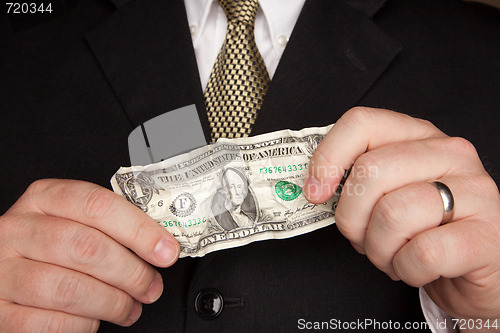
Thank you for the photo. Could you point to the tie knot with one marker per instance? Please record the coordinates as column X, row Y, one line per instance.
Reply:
column 240, row 10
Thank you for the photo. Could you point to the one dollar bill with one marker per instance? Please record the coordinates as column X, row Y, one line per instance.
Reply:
column 232, row 192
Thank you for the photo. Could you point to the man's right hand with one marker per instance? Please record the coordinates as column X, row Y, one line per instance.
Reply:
column 65, row 262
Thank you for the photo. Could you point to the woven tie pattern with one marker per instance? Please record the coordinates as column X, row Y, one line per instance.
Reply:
column 239, row 79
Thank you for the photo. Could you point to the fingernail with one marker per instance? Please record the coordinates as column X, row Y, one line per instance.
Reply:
column 166, row 252
column 135, row 313
column 155, row 288
column 312, row 188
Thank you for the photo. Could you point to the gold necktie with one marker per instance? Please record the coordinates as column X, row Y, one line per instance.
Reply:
column 239, row 79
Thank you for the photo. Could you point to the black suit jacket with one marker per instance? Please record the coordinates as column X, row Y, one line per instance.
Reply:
column 73, row 89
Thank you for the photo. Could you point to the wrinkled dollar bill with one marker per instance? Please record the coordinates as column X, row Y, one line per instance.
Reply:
column 232, row 192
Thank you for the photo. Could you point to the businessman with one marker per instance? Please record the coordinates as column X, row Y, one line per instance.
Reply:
column 73, row 254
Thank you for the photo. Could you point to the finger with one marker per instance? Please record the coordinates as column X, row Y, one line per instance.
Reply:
column 87, row 250
column 15, row 318
column 393, row 166
column 359, row 130
column 398, row 217
column 51, row 287
column 449, row 251
column 408, row 211
column 102, row 209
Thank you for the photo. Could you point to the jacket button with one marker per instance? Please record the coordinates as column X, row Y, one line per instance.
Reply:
column 209, row 303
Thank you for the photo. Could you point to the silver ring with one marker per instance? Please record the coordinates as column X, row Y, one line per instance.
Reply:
column 448, row 201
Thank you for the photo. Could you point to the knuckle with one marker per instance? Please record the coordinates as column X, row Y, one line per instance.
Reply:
column 143, row 230
column 358, row 116
column 98, row 203
column 39, row 186
column 16, row 321
column 55, row 323
column 433, row 131
column 490, row 188
column 484, row 186
column 425, row 122
column 30, row 200
column 141, row 278
column 35, row 191
column 121, row 307
column 27, row 320
column 367, row 166
column 390, row 212
column 25, row 286
column 8, row 220
column 6, row 317
column 58, row 322
column 89, row 246
column 428, row 251
column 17, row 227
column 70, row 290
column 8, row 225
column 462, row 145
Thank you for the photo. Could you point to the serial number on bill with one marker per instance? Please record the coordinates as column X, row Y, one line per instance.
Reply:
column 28, row 7
column 284, row 168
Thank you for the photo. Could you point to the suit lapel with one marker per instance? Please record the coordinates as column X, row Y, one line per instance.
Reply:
column 369, row 7
column 146, row 53
column 335, row 54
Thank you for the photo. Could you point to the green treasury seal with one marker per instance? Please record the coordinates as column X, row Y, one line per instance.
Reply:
column 287, row 191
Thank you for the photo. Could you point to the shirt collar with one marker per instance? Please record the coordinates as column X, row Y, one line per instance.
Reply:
column 280, row 15
column 197, row 12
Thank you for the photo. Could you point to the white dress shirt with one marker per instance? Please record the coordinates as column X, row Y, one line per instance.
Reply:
column 273, row 26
